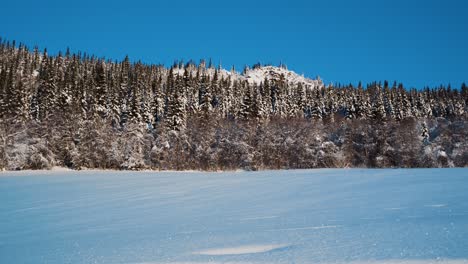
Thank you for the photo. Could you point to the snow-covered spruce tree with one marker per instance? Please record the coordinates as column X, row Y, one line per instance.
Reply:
column 124, row 91
column 134, row 101
column 100, row 91
column 176, row 109
column 112, row 98
column 46, row 90
column 8, row 97
column 228, row 99
column 205, row 98
column 350, row 112
column 248, row 109
column 158, row 102
column 190, row 90
column 300, row 97
column 378, row 109
column 215, row 89
column 331, row 105
column 388, row 104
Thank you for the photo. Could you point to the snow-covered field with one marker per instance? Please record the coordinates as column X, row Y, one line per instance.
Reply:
column 303, row 216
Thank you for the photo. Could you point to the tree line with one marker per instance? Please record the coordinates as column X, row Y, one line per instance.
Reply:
column 81, row 111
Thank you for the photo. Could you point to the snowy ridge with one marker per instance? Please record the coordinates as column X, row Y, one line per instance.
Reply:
column 257, row 75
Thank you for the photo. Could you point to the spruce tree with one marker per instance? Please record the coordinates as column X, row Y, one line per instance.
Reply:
column 100, row 92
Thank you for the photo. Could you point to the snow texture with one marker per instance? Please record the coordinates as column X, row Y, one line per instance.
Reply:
column 258, row 75
column 298, row 216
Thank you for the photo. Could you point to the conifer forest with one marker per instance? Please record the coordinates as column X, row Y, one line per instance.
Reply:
column 80, row 111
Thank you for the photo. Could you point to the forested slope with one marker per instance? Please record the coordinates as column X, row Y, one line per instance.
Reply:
column 81, row 111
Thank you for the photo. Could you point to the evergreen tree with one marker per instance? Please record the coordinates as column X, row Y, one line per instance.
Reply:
column 100, row 92
column 378, row 110
column 46, row 89
column 205, row 97
column 176, row 113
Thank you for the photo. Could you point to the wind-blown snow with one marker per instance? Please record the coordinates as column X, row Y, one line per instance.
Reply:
column 304, row 216
column 250, row 249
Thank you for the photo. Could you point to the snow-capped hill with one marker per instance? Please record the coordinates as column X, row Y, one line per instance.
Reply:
column 258, row 75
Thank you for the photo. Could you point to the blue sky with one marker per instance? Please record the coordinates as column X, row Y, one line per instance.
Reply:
column 416, row 42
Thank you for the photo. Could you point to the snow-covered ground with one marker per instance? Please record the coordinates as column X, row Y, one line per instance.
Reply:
column 304, row 216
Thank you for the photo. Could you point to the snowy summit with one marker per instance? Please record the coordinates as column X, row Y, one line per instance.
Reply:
column 258, row 75
column 255, row 75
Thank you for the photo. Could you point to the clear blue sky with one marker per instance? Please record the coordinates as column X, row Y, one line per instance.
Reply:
column 416, row 42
